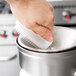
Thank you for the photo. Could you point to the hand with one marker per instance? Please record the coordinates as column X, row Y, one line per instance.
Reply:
column 36, row 15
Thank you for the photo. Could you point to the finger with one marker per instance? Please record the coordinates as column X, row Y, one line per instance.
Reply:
column 49, row 27
column 43, row 32
column 48, row 24
column 51, row 22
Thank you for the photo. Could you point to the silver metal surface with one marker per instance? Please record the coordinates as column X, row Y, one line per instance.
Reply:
column 63, row 6
column 9, row 54
column 37, row 64
column 56, row 61
column 10, row 68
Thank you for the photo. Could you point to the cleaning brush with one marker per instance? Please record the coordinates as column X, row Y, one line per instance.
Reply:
column 32, row 38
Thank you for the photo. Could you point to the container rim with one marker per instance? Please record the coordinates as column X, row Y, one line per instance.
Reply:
column 46, row 52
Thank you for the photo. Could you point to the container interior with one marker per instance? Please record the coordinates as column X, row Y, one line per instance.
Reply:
column 64, row 38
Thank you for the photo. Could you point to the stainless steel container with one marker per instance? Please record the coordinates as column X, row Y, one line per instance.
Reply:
column 58, row 60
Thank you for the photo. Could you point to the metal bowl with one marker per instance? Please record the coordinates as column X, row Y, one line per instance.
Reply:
column 57, row 60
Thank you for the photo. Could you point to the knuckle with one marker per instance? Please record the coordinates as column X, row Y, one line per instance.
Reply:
column 52, row 7
column 52, row 16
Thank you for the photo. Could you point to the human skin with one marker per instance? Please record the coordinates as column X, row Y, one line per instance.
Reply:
column 36, row 15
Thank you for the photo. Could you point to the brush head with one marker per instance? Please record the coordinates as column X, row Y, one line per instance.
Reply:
column 31, row 37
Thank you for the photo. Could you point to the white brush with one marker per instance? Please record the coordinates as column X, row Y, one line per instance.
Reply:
column 32, row 38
